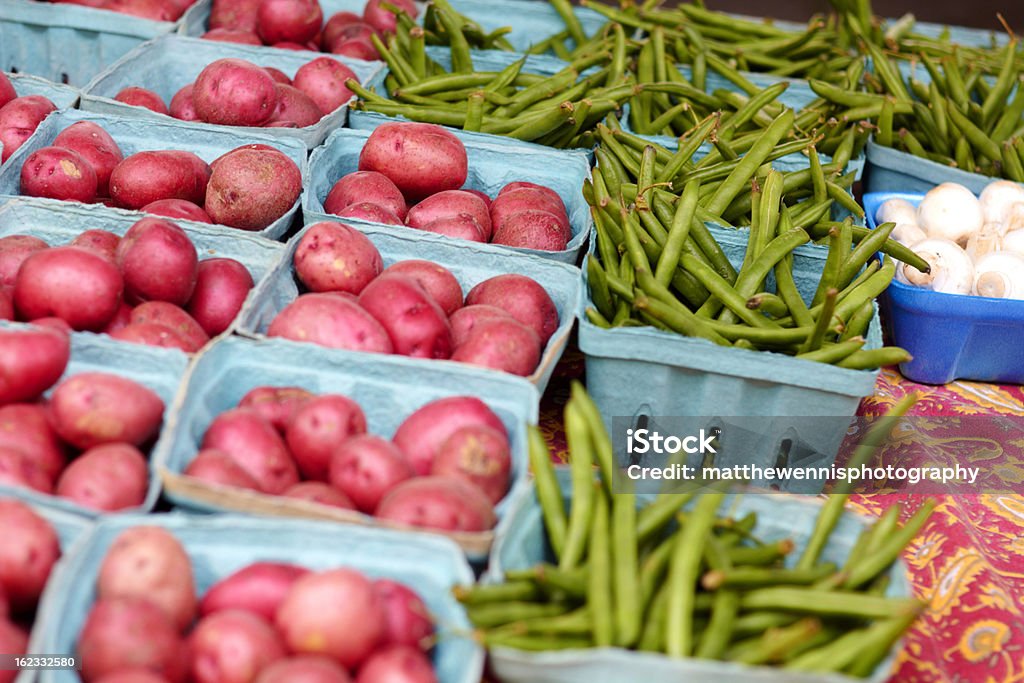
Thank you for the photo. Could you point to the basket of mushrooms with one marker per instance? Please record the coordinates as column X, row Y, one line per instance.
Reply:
column 965, row 318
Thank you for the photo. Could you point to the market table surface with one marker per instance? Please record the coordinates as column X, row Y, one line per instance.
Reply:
column 968, row 562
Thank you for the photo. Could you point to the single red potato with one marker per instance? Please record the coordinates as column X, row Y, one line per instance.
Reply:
column 304, row 669
column 26, row 427
column 318, row 427
column 100, row 242
column 295, row 106
column 323, row 79
column 7, row 92
column 460, row 226
column 424, row 432
column 373, row 213
column 95, row 146
column 141, row 97
column 70, row 283
column 523, row 298
column 333, row 321
column 334, row 613
column 359, row 32
column 228, row 35
column 506, row 345
column 447, row 204
column 366, row 467
column 58, row 173
column 31, row 361
column 222, row 285
column 416, row 324
column 219, row 468
column 421, row 159
column 146, row 177
column 278, row 75
column 399, row 664
column 466, row 319
column 234, row 92
column 540, row 230
column 19, row 118
column 94, row 408
column 407, row 618
column 110, row 477
column 232, row 646
column 238, row 15
column 276, row 405
column 517, row 197
column 366, row 187
column 120, row 320
column 182, row 106
column 383, row 19
column 320, row 493
column 479, row 455
column 14, row 249
column 6, row 304
column 27, row 555
column 149, row 563
column 159, row 262
column 335, row 25
column 174, row 318
column 333, row 257
column 437, row 280
column 124, row 633
column 552, row 196
column 150, row 334
column 256, row 446
column 356, row 48
column 295, row 21
column 259, row 588
column 252, row 188
column 436, row 502
column 18, row 468
column 178, row 209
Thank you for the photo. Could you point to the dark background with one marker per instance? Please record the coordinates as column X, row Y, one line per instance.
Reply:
column 978, row 13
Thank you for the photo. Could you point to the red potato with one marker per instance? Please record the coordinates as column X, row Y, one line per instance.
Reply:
column 505, row 345
column 317, row 428
column 100, row 242
column 278, row 75
column 7, row 92
column 234, row 92
column 421, row 159
column 132, row 676
column 95, row 146
column 110, row 477
column 539, row 230
column 120, row 320
column 320, row 493
column 460, row 226
column 295, row 21
column 150, row 334
column 356, row 48
column 222, row 285
column 259, row 588
column 141, row 97
column 333, row 257
column 234, row 14
column 295, row 106
column 400, row 664
column 13, row 641
column 159, row 263
column 219, row 468
column 146, row 177
column 17, row 468
column 373, row 213
column 182, row 106
column 228, row 35
column 27, row 555
column 384, row 20
column 366, row 187
column 479, row 455
column 407, row 618
column 178, row 209
column 232, row 646
column 31, row 361
column 52, row 323
column 94, row 408
column 523, row 298
column 424, row 432
column 256, row 446
column 333, row 321
column 149, row 563
column 258, row 146
column 123, row 633
column 552, row 196
column 357, row 31
column 416, row 324
column 333, row 27
column 252, row 188
column 14, row 249
column 276, row 405
column 19, row 118
column 516, row 197
column 6, row 304
column 439, row 282
column 323, row 79
column 58, row 173
column 304, row 669
column 26, row 427
column 155, row 10
column 441, row 503
column 466, row 319
column 173, row 318
column 334, row 613
column 448, row 204
column 366, row 467
column 70, row 283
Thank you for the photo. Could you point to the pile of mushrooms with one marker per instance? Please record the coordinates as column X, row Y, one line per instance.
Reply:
column 974, row 245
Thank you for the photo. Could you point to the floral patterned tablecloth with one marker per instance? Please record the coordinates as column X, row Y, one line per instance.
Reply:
column 968, row 561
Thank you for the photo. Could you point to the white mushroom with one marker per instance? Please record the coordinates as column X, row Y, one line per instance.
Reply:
column 1013, row 241
column 1013, row 219
column 908, row 233
column 896, row 210
column 951, row 269
column 997, row 198
column 1000, row 275
column 984, row 241
column 950, row 211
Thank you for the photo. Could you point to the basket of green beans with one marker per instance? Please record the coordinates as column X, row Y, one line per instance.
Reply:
column 592, row 584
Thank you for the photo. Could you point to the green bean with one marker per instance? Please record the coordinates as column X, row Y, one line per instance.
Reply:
column 834, row 353
column 599, row 586
column 595, row 318
column 775, row 643
column 626, row 583
column 759, row 577
column 572, row 583
column 582, row 461
column 886, row 553
column 668, row 262
column 572, row 22
column 875, row 358
column 549, row 495
column 652, row 639
column 531, row 643
column 751, row 278
column 495, row 614
column 761, row 555
column 830, row 271
column 866, row 248
column 857, row 325
column 679, row 319
column 575, row 623
column 485, row 594
column 1009, row 120
column 890, row 247
column 684, row 568
column 878, row 641
column 1013, row 166
column 725, row 293
column 599, row 435
column 996, row 98
column 826, row 603
column 823, row 324
column 654, row 517
column 974, row 135
column 769, row 304
column 756, row 623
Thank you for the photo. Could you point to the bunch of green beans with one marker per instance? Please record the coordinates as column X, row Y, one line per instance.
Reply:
column 678, row 575
column 657, row 264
